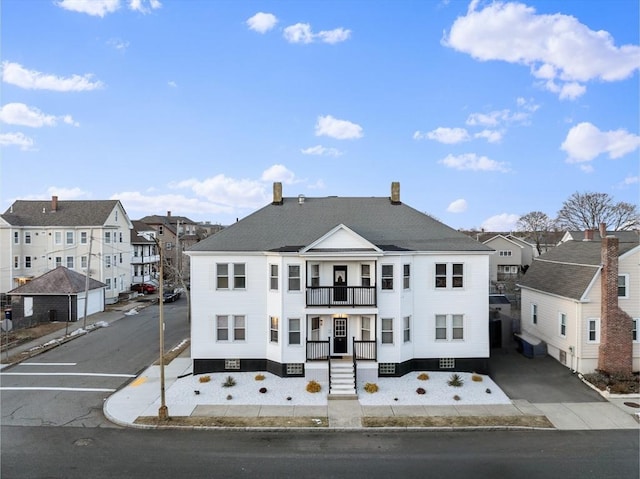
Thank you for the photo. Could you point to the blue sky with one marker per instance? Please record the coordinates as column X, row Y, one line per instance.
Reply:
column 483, row 111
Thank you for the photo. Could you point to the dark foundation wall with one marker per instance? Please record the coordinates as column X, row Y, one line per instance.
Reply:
column 45, row 309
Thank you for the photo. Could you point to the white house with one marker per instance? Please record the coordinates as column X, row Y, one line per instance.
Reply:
column 368, row 280
column 38, row 236
column 567, row 304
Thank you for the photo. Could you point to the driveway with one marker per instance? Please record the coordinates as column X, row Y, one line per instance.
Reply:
column 537, row 380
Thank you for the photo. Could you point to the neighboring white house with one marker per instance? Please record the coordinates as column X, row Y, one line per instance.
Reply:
column 371, row 279
column 38, row 236
column 563, row 299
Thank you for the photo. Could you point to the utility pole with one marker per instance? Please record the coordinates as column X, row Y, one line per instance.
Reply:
column 86, row 281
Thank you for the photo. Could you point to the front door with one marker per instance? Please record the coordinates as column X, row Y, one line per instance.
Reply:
column 339, row 283
column 339, row 336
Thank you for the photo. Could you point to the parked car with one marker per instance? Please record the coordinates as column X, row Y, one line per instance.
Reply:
column 143, row 288
column 170, row 297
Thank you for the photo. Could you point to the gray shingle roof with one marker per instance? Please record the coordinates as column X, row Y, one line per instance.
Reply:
column 292, row 226
column 57, row 281
column 568, row 269
column 68, row 213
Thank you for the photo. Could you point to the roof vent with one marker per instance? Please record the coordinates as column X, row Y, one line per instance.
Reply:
column 300, row 199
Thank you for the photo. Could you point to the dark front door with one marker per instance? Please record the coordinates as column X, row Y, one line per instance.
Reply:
column 339, row 335
column 339, row 283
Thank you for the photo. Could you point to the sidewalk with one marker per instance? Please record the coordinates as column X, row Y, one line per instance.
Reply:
column 141, row 398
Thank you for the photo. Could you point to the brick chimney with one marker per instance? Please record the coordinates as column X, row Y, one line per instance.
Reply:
column 168, row 214
column 54, row 204
column 603, row 230
column 277, row 193
column 616, row 345
column 395, row 193
column 588, row 235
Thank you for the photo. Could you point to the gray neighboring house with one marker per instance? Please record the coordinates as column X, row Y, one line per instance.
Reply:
column 58, row 295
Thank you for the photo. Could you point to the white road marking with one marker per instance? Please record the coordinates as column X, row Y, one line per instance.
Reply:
column 104, row 375
column 56, row 389
column 48, row 364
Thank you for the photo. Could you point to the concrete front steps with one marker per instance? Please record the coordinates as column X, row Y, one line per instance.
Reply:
column 342, row 381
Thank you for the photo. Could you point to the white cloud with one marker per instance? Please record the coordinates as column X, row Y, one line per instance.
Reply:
column 134, row 201
column 457, row 206
column 334, row 36
column 279, row 173
column 224, row 194
column 338, row 129
column 471, row 161
column 100, row 8
column 16, row 74
column 16, row 139
column 318, row 185
column 21, row 114
column 302, row 33
column 585, row 141
column 492, row 136
column 631, row 180
column 262, row 22
column 298, row 33
column 141, row 5
column 172, row 84
column 557, row 48
column 320, row 150
column 448, row 135
column 503, row 222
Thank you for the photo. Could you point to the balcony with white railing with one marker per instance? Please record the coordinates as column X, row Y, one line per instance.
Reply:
column 350, row 296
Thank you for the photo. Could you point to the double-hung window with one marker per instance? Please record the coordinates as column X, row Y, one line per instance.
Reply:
column 365, row 275
column 623, row 289
column 273, row 277
column 387, row 276
column 562, row 324
column 239, row 279
column 70, row 262
column 16, row 237
column 406, row 276
column 593, row 330
column 315, row 275
column 69, row 238
column 634, row 329
column 239, row 276
column 27, row 237
column 294, row 277
column 234, row 331
column 406, row 328
column 387, row 330
column 294, row 330
column 449, row 275
column 365, row 328
column 534, row 313
column 449, row 327
column 273, row 329
column 27, row 261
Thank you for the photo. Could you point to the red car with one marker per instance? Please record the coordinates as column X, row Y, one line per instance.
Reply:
column 143, row 288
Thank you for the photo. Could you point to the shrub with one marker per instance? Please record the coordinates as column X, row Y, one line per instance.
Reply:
column 456, row 398
column 455, row 380
column 421, row 391
column 476, row 378
column 262, row 390
column 259, row 377
column 229, row 382
column 313, row 387
column 423, row 376
column 371, row 388
column 204, row 379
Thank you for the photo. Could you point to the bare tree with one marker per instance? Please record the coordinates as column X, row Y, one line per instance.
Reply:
column 584, row 211
column 538, row 225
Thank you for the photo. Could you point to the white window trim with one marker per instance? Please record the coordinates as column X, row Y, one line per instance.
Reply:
column 406, row 278
column 534, row 313
column 636, row 322
column 299, row 331
column 289, row 278
column 626, row 286
column 449, row 276
column 392, row 277
column 448, row 321
column 272, row 277
column 560, row 316
column 406, row 328
column 597, row 330
column 272, row 329
column 382, row 331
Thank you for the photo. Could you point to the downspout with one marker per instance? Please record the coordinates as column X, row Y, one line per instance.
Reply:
column 577, row 347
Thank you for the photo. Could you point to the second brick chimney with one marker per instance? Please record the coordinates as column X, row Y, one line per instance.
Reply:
column 615, row 354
